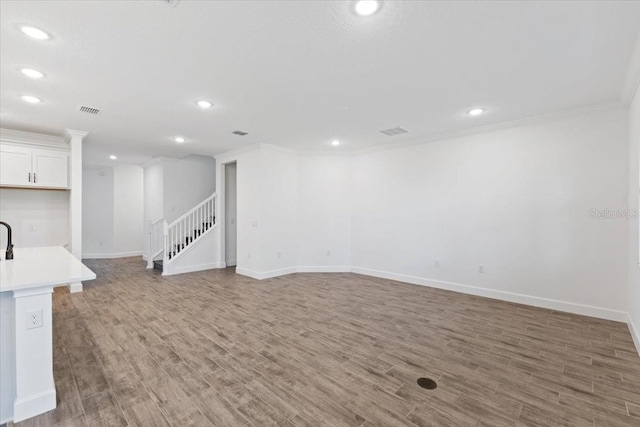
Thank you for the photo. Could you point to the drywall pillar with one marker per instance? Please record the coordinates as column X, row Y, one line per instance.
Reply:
column 75, row 198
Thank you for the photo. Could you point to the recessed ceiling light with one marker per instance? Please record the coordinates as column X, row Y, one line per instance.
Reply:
column 475, row 111
column 179, row 139
column 204, row 104
column 112, row 157
column 35, row 33
column 30, row 99
column 335, row 142
column 367, row 7
column 34, row 74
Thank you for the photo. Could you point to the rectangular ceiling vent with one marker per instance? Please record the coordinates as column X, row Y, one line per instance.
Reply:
column 239, row 132
column 88, row 110
column 394, row 131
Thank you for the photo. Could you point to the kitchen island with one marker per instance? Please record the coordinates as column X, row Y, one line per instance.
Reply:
column 26, row 330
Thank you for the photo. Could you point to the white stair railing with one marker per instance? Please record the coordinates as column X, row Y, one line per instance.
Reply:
column 155, row 240
column 188, row 228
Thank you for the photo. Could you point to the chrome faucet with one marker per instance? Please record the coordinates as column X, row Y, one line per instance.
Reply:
column 9, row 244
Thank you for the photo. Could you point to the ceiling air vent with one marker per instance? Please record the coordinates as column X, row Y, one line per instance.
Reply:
column 394, row 131
column 88, row 110
column 239, row 132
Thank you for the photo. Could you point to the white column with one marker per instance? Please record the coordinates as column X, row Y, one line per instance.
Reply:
column 75, row 198
column 35, row 392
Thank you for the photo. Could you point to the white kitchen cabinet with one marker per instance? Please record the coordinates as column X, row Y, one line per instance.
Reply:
column 15, row 165
column 24, row 166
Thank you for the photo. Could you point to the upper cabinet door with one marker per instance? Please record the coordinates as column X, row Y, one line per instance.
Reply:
column 50, row 169
column 15, row 166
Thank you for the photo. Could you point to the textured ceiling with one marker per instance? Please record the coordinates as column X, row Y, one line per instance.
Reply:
column 284, row 70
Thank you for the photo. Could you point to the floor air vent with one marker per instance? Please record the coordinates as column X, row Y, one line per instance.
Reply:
column 239, row 132
column 427, row 383
column 88, row 110
column 394, row 131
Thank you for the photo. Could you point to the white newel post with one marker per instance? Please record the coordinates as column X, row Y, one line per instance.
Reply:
column 35, row 391
column 75, row 198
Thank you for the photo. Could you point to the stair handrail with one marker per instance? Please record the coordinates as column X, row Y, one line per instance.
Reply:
column 190, row 211
column 182, row 232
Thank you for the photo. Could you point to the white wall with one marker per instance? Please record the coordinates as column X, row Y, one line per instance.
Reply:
column 279, row 193
column 516, row 201
column 97, row 210
column 248, row 173
column 521, row 202
column 128, row 210
column 634, row 186
column 324, row 212
column 37, row 217
column 187, row 182
column 267, row 183
column 230, row 214
column 112, row 206
column 153, row 192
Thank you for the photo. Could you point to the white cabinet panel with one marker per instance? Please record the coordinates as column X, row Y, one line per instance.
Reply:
column 15, row 165
column 50, row 169
column 23, row 166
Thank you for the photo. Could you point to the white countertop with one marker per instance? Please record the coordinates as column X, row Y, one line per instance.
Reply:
column 36, row 267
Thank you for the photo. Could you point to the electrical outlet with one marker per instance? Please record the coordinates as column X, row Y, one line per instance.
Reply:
column 248, row 256
column 32, row 228
column 481, row 269
column 34, row 319
column 436, row 264
column 279, row 254
column 328, row 253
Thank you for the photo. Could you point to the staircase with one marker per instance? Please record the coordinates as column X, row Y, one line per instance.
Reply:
column 168, row 242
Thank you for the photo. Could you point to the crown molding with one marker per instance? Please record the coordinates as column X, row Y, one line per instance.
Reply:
column 231, row 155
column 75, row 132
column 277, row 148
column 327, row 153
column 30, row 138
column 565, row 114
column 156, row 161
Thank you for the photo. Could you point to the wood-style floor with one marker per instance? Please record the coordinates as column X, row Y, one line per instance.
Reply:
column 218, row 349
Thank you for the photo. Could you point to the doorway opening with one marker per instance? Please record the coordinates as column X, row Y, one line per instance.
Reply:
column 230, row 214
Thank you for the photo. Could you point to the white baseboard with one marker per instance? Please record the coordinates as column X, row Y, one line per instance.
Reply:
column 569, row 307
column 34, row 405
column 324, row 269
column 635, row 333
column 192, row 268
column 266, row 274
column 112, row 255
column 232, row 262
column 291, row 270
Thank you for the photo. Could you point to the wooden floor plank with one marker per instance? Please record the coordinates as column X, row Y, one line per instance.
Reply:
column 218, row 349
